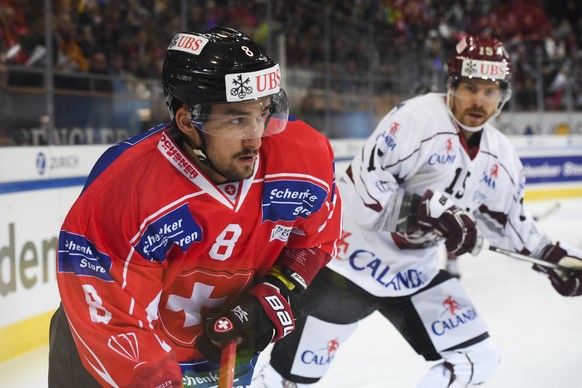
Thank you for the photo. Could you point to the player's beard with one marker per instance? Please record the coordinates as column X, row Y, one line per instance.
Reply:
column 472, row 121
column 233, row 170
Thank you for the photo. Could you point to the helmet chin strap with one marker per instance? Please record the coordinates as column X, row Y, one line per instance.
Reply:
column 200, row 152
column 201, row 156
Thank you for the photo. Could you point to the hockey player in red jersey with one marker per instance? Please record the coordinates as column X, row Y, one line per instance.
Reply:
column 435, row 174
column 200, row 231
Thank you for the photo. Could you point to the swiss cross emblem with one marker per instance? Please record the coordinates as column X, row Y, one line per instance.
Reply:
column 223, row 325
column 230, row 189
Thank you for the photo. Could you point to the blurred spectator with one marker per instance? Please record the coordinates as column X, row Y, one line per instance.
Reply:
column 197, row 21
column 86, row 41
column 98, row 66
column 520, row 20
column 557, row 89
column 12, row 29
column 296, row 50
column 69, row 54
column 34, row 43
column 214, row 14
column 132, row 35
column 240, row 15
column 123, row 81
column 3, row 77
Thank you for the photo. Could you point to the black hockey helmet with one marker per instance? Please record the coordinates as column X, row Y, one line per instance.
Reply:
column 221, row 65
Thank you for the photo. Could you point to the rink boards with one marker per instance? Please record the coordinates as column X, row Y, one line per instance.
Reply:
column 39, row 184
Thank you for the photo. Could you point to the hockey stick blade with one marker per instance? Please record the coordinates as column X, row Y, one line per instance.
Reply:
column 541, row 263
column 227, row 362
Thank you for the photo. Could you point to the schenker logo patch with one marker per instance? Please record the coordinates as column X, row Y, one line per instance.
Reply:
column 286, row 200
column 176, row 227
column 78, row 255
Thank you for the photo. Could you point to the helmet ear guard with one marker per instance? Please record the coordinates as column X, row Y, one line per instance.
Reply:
column 196, row 113
column 172, row 104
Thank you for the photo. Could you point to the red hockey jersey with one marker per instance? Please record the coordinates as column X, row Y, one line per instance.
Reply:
column 151, row 244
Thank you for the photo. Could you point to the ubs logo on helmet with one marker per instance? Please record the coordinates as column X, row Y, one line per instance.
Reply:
column 256, row 84
column 241, row 88
column 484, row 69
column 188, row 43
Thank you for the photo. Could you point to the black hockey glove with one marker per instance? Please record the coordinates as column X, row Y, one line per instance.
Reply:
column 461, row 234
column 566, row 283
column 261, row 316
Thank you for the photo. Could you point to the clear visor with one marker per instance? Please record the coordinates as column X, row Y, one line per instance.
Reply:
column 474, row 102
column 480, row 92
column 251, row 119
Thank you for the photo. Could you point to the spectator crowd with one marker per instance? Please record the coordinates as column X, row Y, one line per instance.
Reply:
column 128, row 38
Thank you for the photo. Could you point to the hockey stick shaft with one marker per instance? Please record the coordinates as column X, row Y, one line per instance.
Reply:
column 227, row 361
column 529, row 259
column 548, row 212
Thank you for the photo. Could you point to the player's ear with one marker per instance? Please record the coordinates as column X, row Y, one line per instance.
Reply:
column 182, row 118
column 183, row 122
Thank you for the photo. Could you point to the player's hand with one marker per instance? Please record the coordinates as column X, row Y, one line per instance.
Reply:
column 566, row 283
column 461, row 234
column 260, row 317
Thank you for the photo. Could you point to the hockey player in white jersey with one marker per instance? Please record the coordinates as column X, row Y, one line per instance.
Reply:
column 435, row 171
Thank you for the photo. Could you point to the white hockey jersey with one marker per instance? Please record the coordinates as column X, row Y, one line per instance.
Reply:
column 417, row 146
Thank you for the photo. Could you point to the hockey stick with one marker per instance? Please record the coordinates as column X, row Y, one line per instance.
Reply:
column 227, row 360
column 519, row 256
column 548, row 212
